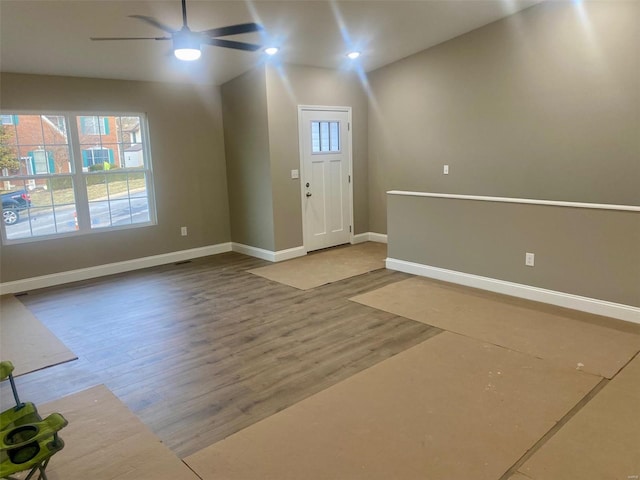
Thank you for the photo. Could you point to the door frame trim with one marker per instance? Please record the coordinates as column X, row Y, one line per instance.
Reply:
column 327, row 108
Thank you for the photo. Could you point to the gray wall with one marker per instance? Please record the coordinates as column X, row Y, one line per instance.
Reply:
column 187, row 151
column 287, row 87
column 246, row 137
column 260, row 111
column 544, row 104
column 592, row 253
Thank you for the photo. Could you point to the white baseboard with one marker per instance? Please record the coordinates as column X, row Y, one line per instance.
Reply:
column 290, row 253
column 269, row 255
column 378, row 237
column 110, row 269
column 561, row 299
column 369, row 237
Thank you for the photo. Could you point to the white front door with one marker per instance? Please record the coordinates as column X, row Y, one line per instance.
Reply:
column 325, row 149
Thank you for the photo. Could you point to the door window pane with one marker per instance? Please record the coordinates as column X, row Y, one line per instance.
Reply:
column 325, row 137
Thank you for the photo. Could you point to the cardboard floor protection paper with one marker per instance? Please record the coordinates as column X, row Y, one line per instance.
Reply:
column 601, row 441
column 327, row 266
column 568, row 342
column 105, row 441
column 25, row 341
column 449, row 408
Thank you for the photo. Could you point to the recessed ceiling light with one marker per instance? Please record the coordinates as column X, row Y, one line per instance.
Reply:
column 271, row 50
column 353, row 55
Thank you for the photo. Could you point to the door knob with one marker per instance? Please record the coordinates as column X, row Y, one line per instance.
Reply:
column 308, row 194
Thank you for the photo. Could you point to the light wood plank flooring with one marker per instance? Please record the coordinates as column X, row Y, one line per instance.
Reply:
column 203, row 349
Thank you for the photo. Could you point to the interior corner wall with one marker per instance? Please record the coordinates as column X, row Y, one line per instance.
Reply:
column 544, row 104
column 185, row 130
column 246, row 139
column 288, row 87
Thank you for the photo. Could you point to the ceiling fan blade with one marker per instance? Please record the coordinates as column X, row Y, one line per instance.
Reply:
column 231, row 44
column 233, row 30
column 154, row 22
column 129, row 38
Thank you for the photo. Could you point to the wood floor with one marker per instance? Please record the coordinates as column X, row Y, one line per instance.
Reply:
column 203, row 349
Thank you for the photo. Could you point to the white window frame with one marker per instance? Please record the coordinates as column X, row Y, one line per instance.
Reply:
column 79, row 176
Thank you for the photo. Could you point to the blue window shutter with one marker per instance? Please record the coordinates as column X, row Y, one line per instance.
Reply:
column 83, row 125
column 52, row 164
column 33, row 161
column 106, row 125
column 15, row 119
column 85, row 158
column 111, row 159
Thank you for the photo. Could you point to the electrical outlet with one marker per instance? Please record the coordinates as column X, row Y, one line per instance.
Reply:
column 445, row 170
column 183, row 231
column 529, row 259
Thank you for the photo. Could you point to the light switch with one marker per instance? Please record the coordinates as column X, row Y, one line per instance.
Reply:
column 445, row 170
column 295, row 174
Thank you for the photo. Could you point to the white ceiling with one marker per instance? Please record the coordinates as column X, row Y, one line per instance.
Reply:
column 52, row 36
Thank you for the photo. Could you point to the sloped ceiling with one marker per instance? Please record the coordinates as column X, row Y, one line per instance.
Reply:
column 52, row 37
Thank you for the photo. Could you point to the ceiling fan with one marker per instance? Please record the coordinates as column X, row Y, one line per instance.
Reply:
column 187, row 43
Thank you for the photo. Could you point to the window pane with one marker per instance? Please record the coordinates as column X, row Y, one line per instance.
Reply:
column 40, row 163
column 133, row 156
column 62, row 191
column 100, row 214
column 137, row 184
column 324, row 136
column 36, row 221
column 34, row 145
column 315, row 137
column 118, row 198
column 43, row 208
column 98, row 158
column 16, row 201
column 92, row 126
column 58, row 131
column 96, row 187
column 140, row 210
column 128, row 130
column 65, row 217
column 120, row 212
column 334, row 137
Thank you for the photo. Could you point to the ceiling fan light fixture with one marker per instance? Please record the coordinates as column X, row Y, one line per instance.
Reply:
column 353, row 55
column 187, row 54
column 271, row 50
column 186, row 46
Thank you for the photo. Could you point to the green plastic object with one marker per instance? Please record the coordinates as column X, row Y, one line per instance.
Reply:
column 31, row 445
column 13, row 417
column 6, row 368
column 27, row 442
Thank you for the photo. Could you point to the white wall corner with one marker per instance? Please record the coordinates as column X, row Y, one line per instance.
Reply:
column 378, row 237
column 253, row 251
column 110, row 269
column 369, row 237
column 591, row 305
column 288, row 254
column 360, row 238
column 269, row 255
